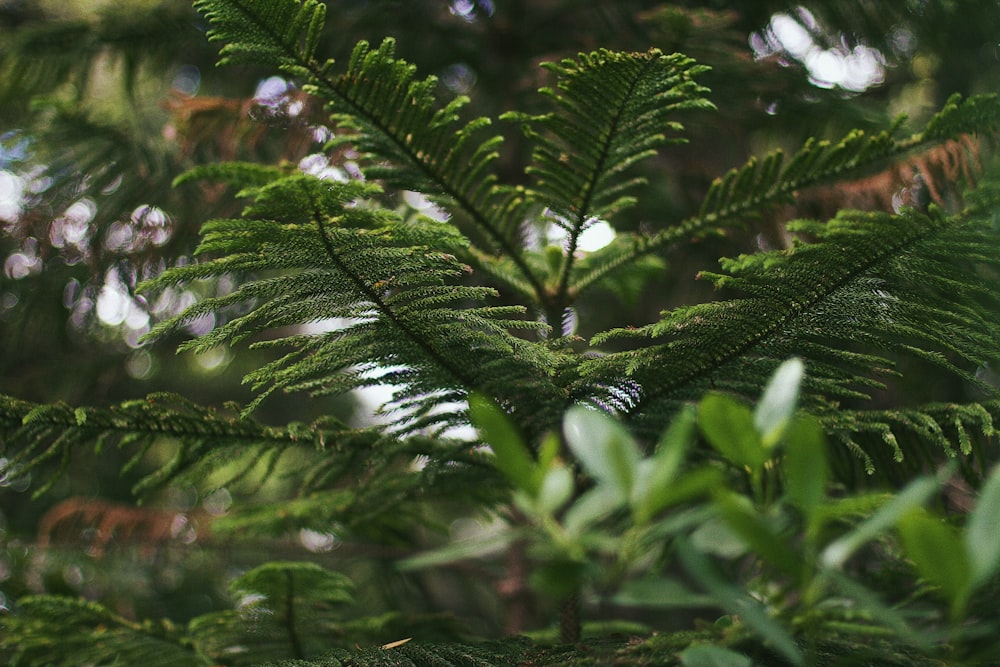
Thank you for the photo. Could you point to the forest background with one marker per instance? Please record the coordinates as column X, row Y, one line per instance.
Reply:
column 104, row 104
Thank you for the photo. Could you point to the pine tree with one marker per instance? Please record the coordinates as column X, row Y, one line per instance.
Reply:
column 471, row 297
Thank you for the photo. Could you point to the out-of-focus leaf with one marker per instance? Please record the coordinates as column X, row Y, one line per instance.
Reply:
column 604, row 448
column 755, row 530
column 556, row 489
column 559, row 577
column 512, row 456
column 655, row 475
column 659, row 592
column 805, row 465
column 738, row 603
column 593, row 506
column 728, row 426
column 938, row 552
column 981, row 532
column 777, row 405
column 915, row 494
column 460, row 550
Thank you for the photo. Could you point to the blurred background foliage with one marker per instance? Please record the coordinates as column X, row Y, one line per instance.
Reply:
column 104, row 102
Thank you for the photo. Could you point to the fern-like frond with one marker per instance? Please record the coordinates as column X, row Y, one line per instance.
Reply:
column 282, row 34
column 325, row 459
column 414, row 142
column 33, row 435
column 237, row 174
column 771, row 180
column 745, row 193
column 54, row 631
column 318, row 252
column 511, row 651
column 882, row 439
column 873, row 288
column 380, row 501
column 290, row 609
column 613, row 110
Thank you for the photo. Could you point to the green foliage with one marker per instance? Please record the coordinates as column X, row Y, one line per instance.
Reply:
column 764, row 183
column 388, row 276
column 284, row 609
column 407, row 655
column 51, row 630
column 799, row 536
column 847, row 301
column 390, row 116
column 866, row 291
column 353, row 477
column 611, row 112
column 44, row 56
column 608, row 459
column 282, row 33
column 770, row 180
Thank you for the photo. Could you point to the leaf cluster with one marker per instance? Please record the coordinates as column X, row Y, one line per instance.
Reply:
column 359, row 479
column 852, row 297
column 467, row 314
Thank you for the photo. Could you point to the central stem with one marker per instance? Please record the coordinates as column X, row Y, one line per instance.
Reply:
column 569, row 619
column 293, row 637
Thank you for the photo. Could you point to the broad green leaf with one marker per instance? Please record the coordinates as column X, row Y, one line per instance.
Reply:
column 982, row 532
column 758, row 534
column 590, row 508
column 915, row 494
column 603, row 447
column 939, row 555
column 655, row 475
column 556, row 489
column 513, row 459
column 805, row 465
column 708, row 655
column 692, row 484
column 729, row 427
column 777, row 404
column 714, row 536
column 548, row 453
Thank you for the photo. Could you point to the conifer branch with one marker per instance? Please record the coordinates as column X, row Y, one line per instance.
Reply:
column 954, row 429
column 612, row 111
column 746, row 192
column 325, row 457
column 88, row 633
column 34, row 434
column 474, row 192
column 869, row 280
column 328, row 256
column 436, row 357
column 394, row 116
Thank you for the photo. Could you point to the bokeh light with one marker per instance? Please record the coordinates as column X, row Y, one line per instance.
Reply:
column 853, row 68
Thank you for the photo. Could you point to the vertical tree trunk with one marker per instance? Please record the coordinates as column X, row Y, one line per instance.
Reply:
column 514, row 590
column 569, row 619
